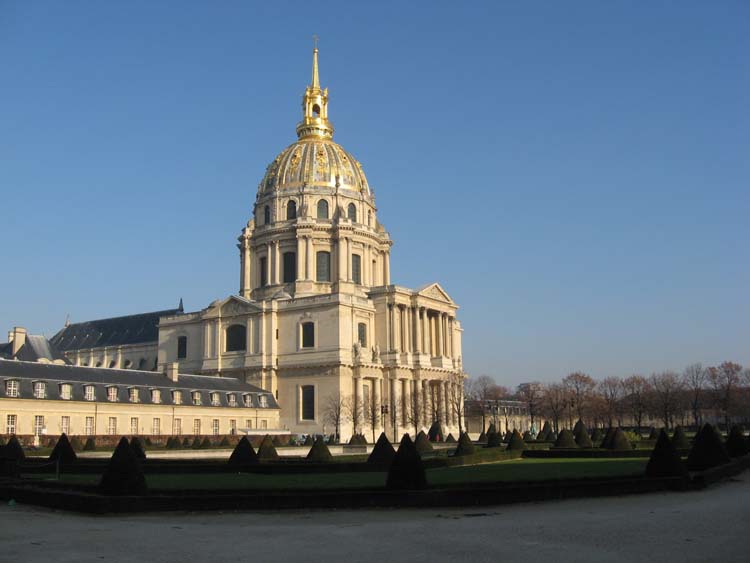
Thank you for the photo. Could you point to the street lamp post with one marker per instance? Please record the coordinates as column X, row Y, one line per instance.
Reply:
column 383, row 413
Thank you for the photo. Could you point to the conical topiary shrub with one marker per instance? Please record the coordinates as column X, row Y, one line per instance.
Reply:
column 544, row 432
column 13, row 450
column 664, row 460
column 196, row 445
column 583, row 440
column 707, row 451
column 597, row 436
column 63, row 452
column 508, row 436
column 450, row 439
column 527, row 437
column 736, row 443
column 173, row 443
column 578, row 426
column 205, row 443
column 653, row 434
column 491, row 428
column 551, row 437
column 75, row 443
column 224, row 442
column 407, row 471
column 243, row 453
column 516, row 442
column 148, row 443
column 422, row 443
column 607, row 441
column 90, row 445
column 465, row 445
column 186, row 443
column 319, row 453
column 2, row 441
column 137, row 447
column 619, row 441
column 123, row 475
column 482, row 438
column 309, row 441
column 267, row 451
column 435, row 433
column 383, row 453
column 277, row 442
column 494, row 440
column 679, row 439
column 565, row 440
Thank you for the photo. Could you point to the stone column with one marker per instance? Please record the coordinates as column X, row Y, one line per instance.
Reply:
column 439, row 334
column 349, row 260
column 310, row 252
column 405, row 402
column 277, row 263
column 418, row 329
column 301, row 259
column 358, row 402
column 426, row 403
column 393, row 405
column 269, row 264
column 341, row 251
column 386, row 269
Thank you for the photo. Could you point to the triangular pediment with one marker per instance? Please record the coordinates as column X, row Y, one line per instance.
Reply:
column 434, row 291
column 232, row 305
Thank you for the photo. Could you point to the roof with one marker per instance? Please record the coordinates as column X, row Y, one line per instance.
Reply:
column 115, row 331
column 28, row 372
column 35, row 347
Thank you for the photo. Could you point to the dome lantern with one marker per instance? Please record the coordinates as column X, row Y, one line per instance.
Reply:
column 315, row 122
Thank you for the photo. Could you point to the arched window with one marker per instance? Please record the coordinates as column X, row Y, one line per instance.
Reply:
column 112, row 363
column 351, row 212
column 356, row 269
column 266, row 215
column 142, row 364
column 291, row 209
column 316, row 110
column 322, row 209
column 127, row 364
column 290, row 267
column 323, row 266
column 236, row 338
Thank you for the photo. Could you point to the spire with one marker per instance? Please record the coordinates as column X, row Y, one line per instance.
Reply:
column 315, row 122
column 180, row 307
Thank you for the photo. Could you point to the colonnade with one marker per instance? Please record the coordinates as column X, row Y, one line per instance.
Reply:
column 420, row 330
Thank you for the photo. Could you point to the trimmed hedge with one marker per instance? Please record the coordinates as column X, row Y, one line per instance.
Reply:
column 407, row 470
column 583, row 440
column 422, row 443
column 243, row 453
column 707, row 451
column 679, row 439
column 579, row 425
column 544, row 432
column 383, row 453
column 482, row 438
column 90, row 445
column 224, row 442
column 63, row 452
column 75, row 443
column 13, row 450
column 205, row 444
column 309, row 441
column 137, row 448
column 664, row 460
column 607, row 441
column 450, row 439
column 527, row 437
column 619, row 441
column 435, row 433
column 465, row 445
column 267, row 451
column 736, row 444
column 494, row 440
column 123, row 475
column 597, row 436
column 565, row 440
column 516, row 442
column 319, row 453
column 653, row 434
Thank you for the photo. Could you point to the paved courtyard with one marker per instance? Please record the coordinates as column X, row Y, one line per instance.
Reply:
column 710, row 525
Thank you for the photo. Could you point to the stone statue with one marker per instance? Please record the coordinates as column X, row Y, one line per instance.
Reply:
column 376, row 353
column 357, row 351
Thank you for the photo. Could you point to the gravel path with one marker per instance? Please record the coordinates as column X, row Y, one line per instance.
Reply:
column 710, row 525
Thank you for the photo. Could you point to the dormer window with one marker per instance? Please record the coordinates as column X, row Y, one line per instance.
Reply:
column 247, row 400
column 263, row 401
column 232, row 400
column 215, row 400
column 155, row 396
column 89, row 393
column 40, row 390
column 11, row 388
column 112, row 394
column 66, row 391
column 197, row 398
column 177, row 397
column 133, row 395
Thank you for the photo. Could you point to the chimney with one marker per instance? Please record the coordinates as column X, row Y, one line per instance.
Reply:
column 17, row 337
column 172, row 370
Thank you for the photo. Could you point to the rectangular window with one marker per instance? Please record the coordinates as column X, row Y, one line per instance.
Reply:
column 181, row 347
column 215, row 400
column 215, row 426
column 177, row 427
column 308, row 402
column 134, row 395
column 356, row 268
column 156, row 396
column 134, row 425
column 248, row 400
column 10, row 423
column 177, row 397
column 66, row 391
column 248, row 423
column 232, row 400
column 290, row 267
column 40, row 390
column 362, row 334
column 262, row 401
column 65, row 425
column 89, row 428
column 156, row 427
column 11, row 388
column 197, row 398
column 89, row 393
column 38, row 425
column 112, row 425
column 232, row 426
column 263, row 424
column 323, row 266
column 263, row 271
column 112, row 394
column 197, row 426
column 308, row 335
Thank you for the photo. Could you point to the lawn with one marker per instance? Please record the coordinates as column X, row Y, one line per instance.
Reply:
column 506, row 471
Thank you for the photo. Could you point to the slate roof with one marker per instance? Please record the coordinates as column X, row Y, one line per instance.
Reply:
column 115, row 331
column 102, row 378
column 35, row 348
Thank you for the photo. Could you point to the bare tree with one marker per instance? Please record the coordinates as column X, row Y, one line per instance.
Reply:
column 554, row 400
column 371, row 416
column 611, row 391
column 694, row 379
column 580, row 386
column 484, row 389
column 637, row 389
column 531, row 394
column 353, row 413
column 725, row 379
column 412, row 409
column 667, row 388
column 335, row 411
column 456, row 399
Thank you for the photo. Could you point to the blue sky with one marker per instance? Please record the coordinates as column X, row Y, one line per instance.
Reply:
column 575, row 174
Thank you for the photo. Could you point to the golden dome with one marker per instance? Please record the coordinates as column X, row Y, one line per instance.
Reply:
column 314, row 162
